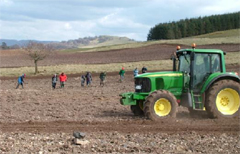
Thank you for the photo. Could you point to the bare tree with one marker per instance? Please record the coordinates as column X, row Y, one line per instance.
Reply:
column 38, row 51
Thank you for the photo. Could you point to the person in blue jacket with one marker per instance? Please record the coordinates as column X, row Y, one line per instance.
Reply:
column 20, row 80
column 135, row 72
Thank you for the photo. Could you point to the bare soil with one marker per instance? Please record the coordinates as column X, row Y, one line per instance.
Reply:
column 152, row 52
column 37, row 119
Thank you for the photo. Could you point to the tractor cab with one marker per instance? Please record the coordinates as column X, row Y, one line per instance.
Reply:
column 198, row 65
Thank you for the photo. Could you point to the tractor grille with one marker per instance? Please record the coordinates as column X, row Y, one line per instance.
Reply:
column 144, row 83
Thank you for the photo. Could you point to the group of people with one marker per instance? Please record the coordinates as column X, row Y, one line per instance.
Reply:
column 87, row 78
column 84, row 78
column 135, row 72
column 62, row 79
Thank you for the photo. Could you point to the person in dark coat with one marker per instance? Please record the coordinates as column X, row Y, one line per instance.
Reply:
column 88, row 77
column 144, row 69
column 102, row 77
column 54, row 81
column 83, row 80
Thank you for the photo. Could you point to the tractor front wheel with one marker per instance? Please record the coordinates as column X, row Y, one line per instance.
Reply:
column 137, row 110
column 222, row 99
column 160, row 104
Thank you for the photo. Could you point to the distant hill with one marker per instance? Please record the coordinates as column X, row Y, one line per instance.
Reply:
column 91, row 42
column 11, row 42
column 86, row 42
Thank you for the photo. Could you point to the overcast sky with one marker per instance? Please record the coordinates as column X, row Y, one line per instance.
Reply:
column 61, row 20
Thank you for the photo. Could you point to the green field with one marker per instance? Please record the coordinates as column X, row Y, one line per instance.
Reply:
column 222, row 34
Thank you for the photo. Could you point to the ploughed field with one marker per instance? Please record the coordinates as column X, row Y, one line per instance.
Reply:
column 38, row 119
column 147, row 53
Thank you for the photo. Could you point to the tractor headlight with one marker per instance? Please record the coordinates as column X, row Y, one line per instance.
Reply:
column 138, row 87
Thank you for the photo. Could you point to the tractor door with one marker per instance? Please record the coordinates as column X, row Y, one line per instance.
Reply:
column 204, row 64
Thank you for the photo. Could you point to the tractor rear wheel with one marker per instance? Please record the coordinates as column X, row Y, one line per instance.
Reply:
column 160, row 104
column 222, row 99
column 137, row 109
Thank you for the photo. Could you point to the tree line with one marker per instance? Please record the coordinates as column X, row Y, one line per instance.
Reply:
column 194, row 26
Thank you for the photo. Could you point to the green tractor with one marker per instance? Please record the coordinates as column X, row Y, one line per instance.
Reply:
column 199, row 81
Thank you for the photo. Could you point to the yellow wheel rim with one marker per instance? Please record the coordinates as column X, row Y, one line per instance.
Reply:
column 228, row 101
column 162, row 107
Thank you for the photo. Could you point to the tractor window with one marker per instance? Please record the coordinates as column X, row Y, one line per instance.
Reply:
column 184, row 63
column 215, row 63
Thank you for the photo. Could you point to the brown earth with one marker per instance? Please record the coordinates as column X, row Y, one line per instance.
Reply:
column 37, row 119
column 152, row 52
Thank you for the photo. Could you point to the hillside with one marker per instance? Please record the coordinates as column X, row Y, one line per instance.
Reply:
column 12, row 42
column 219, row 37
column 221, row 34
column 86, row 42
column 92, row 42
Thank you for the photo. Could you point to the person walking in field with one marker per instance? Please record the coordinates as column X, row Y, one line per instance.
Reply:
column 135, row 72
column 88, row 77
column 144, row 69
column 63, row 79
column 102, row 77
column 20, row 80
column 83, row 80
column 54, row 81
column 121, row 73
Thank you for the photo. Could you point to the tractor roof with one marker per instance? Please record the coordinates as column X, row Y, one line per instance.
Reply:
column 201, row 50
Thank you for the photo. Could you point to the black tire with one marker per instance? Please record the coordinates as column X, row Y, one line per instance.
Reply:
column 159, row 105
column 222, row 99
column 137, row 110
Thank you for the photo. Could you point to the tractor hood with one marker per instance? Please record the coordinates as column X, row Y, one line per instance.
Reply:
column 160, row 74
column 169, row 80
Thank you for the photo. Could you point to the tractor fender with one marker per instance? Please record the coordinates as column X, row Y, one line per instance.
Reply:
column 217, row 77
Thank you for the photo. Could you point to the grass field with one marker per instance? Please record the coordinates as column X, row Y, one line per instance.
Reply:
column 220, row 34
column 79, row 68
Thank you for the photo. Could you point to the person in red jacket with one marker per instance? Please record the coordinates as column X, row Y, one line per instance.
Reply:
column 63, row 79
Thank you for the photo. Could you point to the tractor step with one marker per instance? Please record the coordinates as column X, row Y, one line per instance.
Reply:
column 200, row 109
column 197, row 102
column 198, row 105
